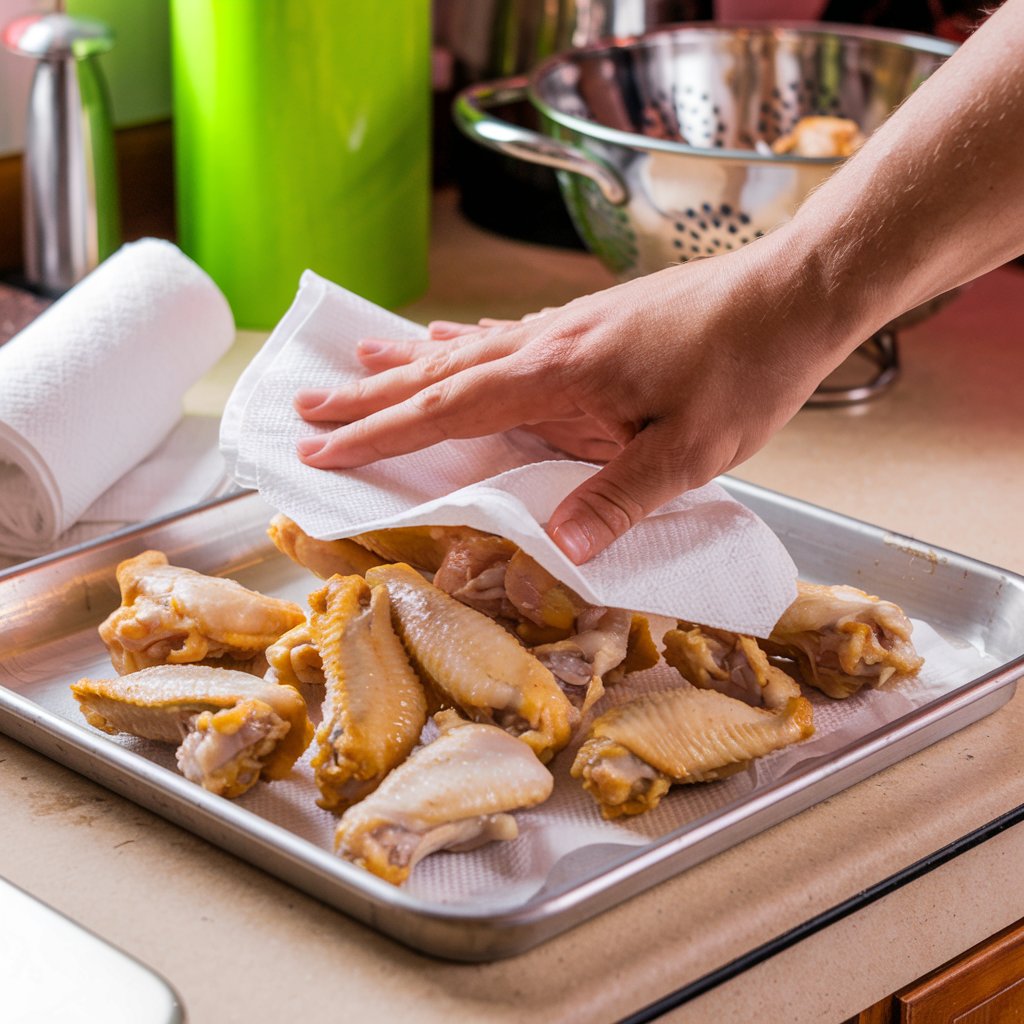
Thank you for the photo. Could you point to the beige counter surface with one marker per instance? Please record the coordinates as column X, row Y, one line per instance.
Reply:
column 939, row 458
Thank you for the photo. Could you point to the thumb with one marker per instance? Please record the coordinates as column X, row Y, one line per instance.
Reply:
column 642, row 477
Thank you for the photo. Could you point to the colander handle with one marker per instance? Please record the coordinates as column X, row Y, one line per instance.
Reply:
column 470, row 113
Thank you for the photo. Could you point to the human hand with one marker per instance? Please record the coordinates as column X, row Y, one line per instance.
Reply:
column 582, row 437
column 690, row 370
column 683, row 374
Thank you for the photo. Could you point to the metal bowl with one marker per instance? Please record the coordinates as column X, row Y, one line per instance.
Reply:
column 662, row 142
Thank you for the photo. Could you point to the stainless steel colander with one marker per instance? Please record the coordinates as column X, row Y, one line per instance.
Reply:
column 663, row 141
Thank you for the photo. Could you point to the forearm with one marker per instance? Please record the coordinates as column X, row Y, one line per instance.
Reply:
column 935, row 197
column 687, row 372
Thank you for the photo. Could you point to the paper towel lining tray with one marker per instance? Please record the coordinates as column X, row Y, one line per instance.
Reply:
column 50, row 610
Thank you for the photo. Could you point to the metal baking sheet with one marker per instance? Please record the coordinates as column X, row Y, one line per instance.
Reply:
column 50, row 610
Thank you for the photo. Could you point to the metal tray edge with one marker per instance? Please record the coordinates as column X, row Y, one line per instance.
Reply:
column 458, row 933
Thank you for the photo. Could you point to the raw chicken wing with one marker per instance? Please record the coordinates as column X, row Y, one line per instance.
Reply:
column 422, row 546
column 820, row 137
column 844, row 639
column 735, row 665
column 324, row 558
column 635, row 752
column 473, row 572
column 232, row 727
column 547, row 609
column 580, row 662
column 474, row 664
column 175, row 616
column 375, row 707
column 453, row 794
column 294, row 659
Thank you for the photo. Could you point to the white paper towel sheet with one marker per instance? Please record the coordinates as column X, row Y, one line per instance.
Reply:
column 702, row 557
column 94, row 386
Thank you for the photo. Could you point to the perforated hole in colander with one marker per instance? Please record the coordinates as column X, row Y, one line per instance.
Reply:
column 690, row 114
column 793, row 101
column 710, row 229
column 685, row 114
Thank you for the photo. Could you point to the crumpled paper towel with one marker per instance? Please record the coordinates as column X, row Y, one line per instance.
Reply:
column 702, row 556
column 94, row 386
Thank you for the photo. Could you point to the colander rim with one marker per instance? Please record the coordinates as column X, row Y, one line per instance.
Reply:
column 918, row 41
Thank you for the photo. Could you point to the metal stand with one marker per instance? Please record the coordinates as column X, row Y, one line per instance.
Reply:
column 882, row 352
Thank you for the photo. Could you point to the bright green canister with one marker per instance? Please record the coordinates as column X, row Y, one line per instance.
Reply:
column 302, row 140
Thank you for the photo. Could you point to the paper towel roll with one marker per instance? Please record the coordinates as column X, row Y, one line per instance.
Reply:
column 95, row 384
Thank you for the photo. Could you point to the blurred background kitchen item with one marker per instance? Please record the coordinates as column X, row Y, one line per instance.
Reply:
column 54, row 969
column 302, row 140
column 670, row 134
column 489, row 39
column 70, row 202
column 497, row 38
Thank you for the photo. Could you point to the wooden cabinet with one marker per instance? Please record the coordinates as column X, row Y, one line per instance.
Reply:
column 985, row 985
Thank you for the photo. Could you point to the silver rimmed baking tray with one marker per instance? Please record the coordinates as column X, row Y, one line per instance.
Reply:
column 49, row 610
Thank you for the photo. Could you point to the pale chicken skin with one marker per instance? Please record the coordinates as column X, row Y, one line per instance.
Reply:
column 734, row 665
column 323, row 558
column 174, row 616
column 541, row 601
column 821, row 136
column 496, row 577
column 425, row 547
column 488, row 573
column 581, row 644
column 456, row 793
column 294, row 658
column 844, row 639
column 634, row 753
column 231, row 728
column 581, row 662
column 473, row 572
column 473, row 664
column 375, row 707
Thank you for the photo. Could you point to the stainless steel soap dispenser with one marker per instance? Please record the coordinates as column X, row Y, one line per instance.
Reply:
column 70, row 176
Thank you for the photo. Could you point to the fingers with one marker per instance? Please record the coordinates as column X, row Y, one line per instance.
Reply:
column 448, row 330
column 636, row 482
column 363, row 398
column 444, row 330
column 378, row 354
column 478, row 401
column 581, row 440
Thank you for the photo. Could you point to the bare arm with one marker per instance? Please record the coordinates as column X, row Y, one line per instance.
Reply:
column 691, row 370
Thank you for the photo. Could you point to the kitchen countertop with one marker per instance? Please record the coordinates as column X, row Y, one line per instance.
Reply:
column 939, row 458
